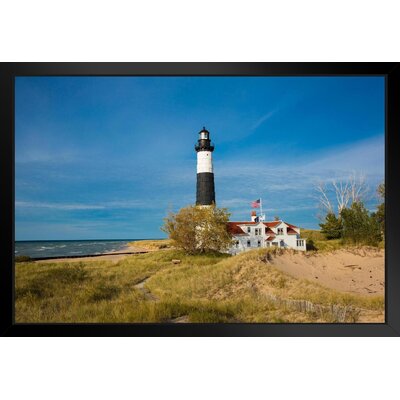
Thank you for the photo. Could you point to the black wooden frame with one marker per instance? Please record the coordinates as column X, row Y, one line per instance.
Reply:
column 391, row 72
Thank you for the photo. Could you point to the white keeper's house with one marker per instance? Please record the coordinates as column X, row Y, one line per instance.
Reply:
column 257, row 233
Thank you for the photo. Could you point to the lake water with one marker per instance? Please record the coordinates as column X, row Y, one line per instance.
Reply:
column 58, row 248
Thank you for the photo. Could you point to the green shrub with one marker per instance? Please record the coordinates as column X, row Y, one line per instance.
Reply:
column 199, row 230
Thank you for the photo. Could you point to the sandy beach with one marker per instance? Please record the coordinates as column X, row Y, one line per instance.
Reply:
column 114, row 256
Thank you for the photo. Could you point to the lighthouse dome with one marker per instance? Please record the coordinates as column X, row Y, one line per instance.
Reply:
column 204, row 142
column 204, row 134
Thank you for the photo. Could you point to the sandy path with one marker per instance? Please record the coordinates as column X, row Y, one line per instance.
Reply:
column 143, row 289
column 355, row 271
column 151, row 297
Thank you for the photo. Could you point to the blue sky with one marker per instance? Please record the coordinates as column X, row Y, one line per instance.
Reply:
column 108, row 157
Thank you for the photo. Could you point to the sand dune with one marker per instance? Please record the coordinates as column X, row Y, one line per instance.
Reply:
column 348, row 270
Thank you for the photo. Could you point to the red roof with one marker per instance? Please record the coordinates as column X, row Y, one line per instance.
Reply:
column 234, row 229
column 272, row 224
column 270, row 238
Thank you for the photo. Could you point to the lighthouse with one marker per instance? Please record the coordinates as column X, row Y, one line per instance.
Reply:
column 205, row 194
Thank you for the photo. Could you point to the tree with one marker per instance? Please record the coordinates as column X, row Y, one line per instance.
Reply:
column 332, row 228
column 359, row 227
column 341, row 194
column 197, row 229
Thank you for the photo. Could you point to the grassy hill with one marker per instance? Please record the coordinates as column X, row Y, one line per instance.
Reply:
column 322, row 244
column 204, row 288
column 319, row 240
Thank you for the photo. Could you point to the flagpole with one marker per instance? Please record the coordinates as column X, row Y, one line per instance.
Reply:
column 261, row 209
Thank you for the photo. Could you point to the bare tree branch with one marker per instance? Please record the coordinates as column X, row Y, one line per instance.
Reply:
column 359, row 188
column 323, row 197
column 341, row 194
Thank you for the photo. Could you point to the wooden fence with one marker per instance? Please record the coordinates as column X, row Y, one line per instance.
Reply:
column 337, row 312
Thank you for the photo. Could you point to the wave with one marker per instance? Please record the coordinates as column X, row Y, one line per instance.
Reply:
column 65, row 248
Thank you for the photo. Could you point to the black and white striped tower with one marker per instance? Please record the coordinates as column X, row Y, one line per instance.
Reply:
column 205, row 194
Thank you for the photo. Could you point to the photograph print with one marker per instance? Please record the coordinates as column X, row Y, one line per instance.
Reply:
column 208, row 199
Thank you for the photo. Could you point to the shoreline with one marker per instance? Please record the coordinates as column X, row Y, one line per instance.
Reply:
column 113, row 255
column 130, row 248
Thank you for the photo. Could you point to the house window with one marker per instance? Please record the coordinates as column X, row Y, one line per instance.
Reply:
column 248, row 229
column 282, row 243
column 237, row 243
column 268, row 244
column 259, row 243
column 300, row 243
column 257, row 231
column 280, row 231
column 274, row 243
column 248, row 243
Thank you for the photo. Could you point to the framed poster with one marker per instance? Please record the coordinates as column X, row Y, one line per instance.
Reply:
column 200, row 199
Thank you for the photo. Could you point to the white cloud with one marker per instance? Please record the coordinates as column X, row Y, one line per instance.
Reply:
column 366, row 156
column 46, row 154
column 263, row 118
column 57, row 206
column 128, row 204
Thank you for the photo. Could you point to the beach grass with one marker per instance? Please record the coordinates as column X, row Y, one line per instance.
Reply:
column 152, row 245
column 152, row 288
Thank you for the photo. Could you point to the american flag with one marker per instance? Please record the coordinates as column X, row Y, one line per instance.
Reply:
column 256, row 203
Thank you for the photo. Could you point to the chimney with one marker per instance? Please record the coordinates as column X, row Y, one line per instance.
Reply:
column 253, row 216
